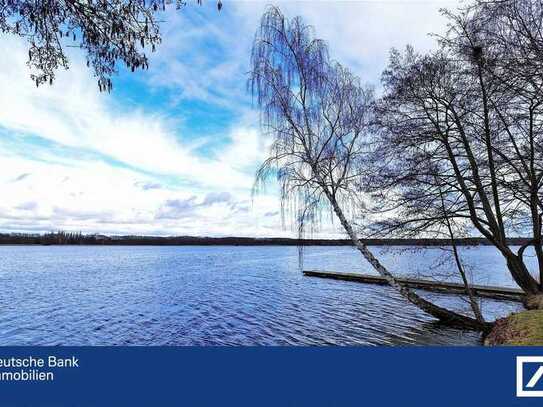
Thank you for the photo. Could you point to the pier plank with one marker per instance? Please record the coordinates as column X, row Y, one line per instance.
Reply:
column 500, row 293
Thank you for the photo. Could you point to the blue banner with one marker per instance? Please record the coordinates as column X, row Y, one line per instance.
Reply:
column 214, row 376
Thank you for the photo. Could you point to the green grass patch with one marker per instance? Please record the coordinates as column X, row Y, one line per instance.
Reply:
column 521, row 329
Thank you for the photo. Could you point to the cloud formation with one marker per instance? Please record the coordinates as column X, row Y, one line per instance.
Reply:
column 172, row 150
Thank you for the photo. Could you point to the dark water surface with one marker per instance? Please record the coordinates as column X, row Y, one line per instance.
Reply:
column 222, row 295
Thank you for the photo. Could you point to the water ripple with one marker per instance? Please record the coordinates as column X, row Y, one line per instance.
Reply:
column 211, row 296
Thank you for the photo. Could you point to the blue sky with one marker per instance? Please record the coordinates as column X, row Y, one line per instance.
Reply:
column 172, row 150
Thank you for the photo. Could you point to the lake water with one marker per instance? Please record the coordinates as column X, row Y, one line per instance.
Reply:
column 224, row 295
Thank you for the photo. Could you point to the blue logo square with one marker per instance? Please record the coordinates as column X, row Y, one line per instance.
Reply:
column 529, row 376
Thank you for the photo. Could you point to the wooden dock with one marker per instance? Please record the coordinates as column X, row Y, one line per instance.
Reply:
column 499, row 293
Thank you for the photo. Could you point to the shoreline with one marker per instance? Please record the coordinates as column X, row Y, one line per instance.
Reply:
column 62, row 238
column 524, row 328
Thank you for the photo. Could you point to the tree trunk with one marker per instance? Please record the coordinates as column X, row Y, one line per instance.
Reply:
column 521, row 275
column 471, row 296
column 534, row 301
column 444, row 315
column 472, row 300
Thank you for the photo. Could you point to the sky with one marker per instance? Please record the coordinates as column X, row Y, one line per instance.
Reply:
column 173, row 150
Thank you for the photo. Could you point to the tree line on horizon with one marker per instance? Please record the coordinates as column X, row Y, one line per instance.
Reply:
column 79, row 238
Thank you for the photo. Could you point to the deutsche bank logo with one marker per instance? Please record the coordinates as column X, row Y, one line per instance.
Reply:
column 529, row 376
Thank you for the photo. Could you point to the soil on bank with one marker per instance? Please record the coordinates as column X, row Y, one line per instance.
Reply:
column 520, row 329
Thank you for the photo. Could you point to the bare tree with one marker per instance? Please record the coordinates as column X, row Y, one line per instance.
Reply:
column 461, row 129
column 110, row 31
column 319, row 116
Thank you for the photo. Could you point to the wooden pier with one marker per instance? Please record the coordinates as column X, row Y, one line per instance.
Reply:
column 499, row 293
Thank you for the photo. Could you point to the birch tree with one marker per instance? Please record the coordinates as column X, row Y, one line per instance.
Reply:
column 319, row 116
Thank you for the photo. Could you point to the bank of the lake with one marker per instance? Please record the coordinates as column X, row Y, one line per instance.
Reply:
column 523, row 328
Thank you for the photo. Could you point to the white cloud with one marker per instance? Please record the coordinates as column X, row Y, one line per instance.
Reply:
column 204, row 55
column 94, row 198
column 72, row 113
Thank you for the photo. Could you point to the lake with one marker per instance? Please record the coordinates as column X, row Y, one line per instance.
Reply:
column 225, row 295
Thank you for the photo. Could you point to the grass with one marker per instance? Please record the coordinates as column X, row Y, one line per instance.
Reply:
column 521, row 329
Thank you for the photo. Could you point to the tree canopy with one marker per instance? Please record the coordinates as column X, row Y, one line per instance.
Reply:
column 109, row 31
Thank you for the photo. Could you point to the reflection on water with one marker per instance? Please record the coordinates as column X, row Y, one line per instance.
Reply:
column 221, row 295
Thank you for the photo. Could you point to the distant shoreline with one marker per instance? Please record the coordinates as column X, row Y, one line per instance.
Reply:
column 63, row 238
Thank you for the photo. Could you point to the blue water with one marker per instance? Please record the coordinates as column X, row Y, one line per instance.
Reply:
column 223, row 295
